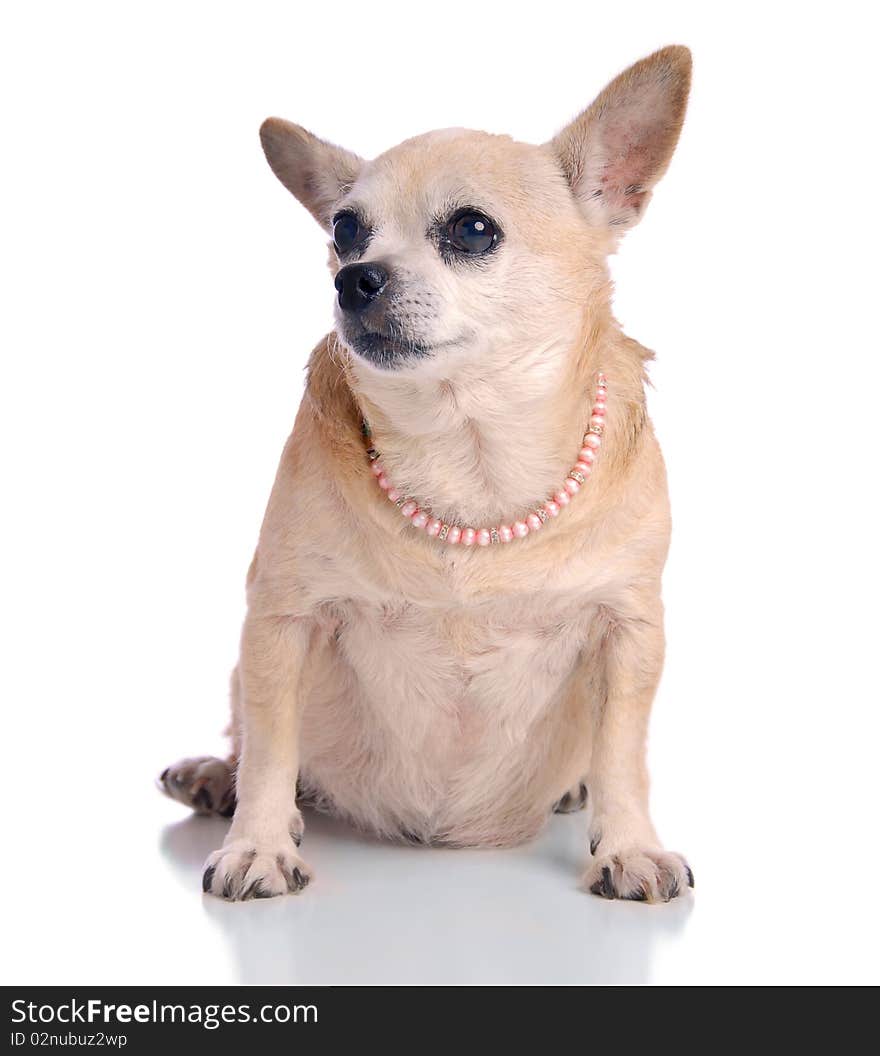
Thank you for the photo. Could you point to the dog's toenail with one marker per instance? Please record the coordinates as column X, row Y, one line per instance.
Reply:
column 256, row 890
column 164, row 774
column 207, row 878
column 604, row 886
column 609, row 886
column 594, row 843
column 690, row 876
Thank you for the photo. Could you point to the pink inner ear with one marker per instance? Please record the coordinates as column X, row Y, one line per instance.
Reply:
column 624, row 173
column 618, row 148
column 634, row 131
column 634, row 152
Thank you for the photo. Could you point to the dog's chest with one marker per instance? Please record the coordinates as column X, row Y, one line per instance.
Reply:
column 460, row 669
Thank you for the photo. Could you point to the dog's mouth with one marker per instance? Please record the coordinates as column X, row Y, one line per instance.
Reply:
column 383, row 350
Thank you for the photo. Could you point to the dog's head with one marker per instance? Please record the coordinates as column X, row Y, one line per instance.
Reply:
column 457, row 245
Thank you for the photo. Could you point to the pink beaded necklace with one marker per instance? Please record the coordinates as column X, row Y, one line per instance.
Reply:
column 455, row 534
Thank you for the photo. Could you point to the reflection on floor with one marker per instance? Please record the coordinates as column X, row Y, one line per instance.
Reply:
column 387, row 913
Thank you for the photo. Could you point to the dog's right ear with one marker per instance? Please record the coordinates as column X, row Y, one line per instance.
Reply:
column 315, row 172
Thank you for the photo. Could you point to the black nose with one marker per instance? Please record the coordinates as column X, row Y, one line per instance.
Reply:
column 358, row 285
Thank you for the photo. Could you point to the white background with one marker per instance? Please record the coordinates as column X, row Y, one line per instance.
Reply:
column 160, row 295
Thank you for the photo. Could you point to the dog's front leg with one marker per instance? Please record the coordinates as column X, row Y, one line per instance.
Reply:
column 628, row 859
column 259, row 856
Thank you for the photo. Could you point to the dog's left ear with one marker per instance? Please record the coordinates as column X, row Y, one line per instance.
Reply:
column 614, row 153
column 314, row 171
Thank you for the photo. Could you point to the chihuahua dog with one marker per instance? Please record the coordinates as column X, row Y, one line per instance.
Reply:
column 454, row 623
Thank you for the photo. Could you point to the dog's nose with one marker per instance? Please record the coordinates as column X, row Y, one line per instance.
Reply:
column 358, row 285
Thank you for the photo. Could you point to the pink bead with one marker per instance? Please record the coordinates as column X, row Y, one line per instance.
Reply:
column 533, row 522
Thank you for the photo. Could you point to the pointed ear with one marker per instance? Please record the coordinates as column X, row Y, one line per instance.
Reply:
column 619, row 147
column 315, row 172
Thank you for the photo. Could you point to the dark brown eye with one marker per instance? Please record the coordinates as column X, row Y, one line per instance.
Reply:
column 347, row 232
column 472, row 233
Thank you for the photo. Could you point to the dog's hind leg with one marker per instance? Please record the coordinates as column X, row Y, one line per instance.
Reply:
column 207, row 784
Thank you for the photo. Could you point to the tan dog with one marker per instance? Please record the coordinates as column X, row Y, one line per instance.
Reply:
column 444, row 692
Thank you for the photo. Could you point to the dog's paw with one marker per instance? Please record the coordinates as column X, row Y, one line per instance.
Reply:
column 242, row 870
column 206, row 784
column 640, row 875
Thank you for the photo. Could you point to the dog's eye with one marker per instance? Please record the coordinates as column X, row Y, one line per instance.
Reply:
column 347, row 232
column 472, row 233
